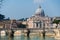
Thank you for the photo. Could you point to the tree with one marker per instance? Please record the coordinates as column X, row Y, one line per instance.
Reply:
column 8, row 18
column 57, row 22
column 23, row 19
column 2, row 17
column 21, row 25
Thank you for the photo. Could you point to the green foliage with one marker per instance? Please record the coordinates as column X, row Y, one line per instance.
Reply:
column 56, row 21
column 21, row 25
column 2, row 17
column 7, row 18
column 23, row 19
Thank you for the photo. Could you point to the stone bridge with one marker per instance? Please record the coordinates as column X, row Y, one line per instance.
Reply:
column 24, row 30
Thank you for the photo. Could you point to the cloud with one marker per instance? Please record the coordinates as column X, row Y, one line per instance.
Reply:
column 38, row 1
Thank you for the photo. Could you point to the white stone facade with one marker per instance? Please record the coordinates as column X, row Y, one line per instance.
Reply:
column 39, row 20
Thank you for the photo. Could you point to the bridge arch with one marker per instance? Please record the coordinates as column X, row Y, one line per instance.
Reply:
column 2, row 33
column 17, row 33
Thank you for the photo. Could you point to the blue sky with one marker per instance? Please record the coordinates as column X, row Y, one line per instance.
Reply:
column 16, row 9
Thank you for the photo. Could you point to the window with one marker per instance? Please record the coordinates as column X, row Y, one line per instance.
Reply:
column 36, row 24
column 43, row 24
column 40, row 24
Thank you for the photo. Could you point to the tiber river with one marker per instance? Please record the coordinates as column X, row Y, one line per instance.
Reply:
column 22, row 37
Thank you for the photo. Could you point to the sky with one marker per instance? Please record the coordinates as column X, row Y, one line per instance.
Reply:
column 17, row 9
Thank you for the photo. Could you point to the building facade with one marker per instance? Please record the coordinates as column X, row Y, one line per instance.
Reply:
column 39, row 20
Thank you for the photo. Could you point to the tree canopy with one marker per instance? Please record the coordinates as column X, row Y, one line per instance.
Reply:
column 2, row 17
column 23, row 19
column 56, row 21
column 21, row 25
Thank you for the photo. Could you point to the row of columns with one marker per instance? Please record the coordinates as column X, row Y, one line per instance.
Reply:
column 38, row 24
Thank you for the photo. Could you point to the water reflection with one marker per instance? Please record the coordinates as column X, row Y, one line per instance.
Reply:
column 22, row 37
column 10, row 38
column 28, row 38
column 2, row 38
column 57, row 39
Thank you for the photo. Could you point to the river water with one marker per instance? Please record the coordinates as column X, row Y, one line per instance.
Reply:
column 22, row 37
